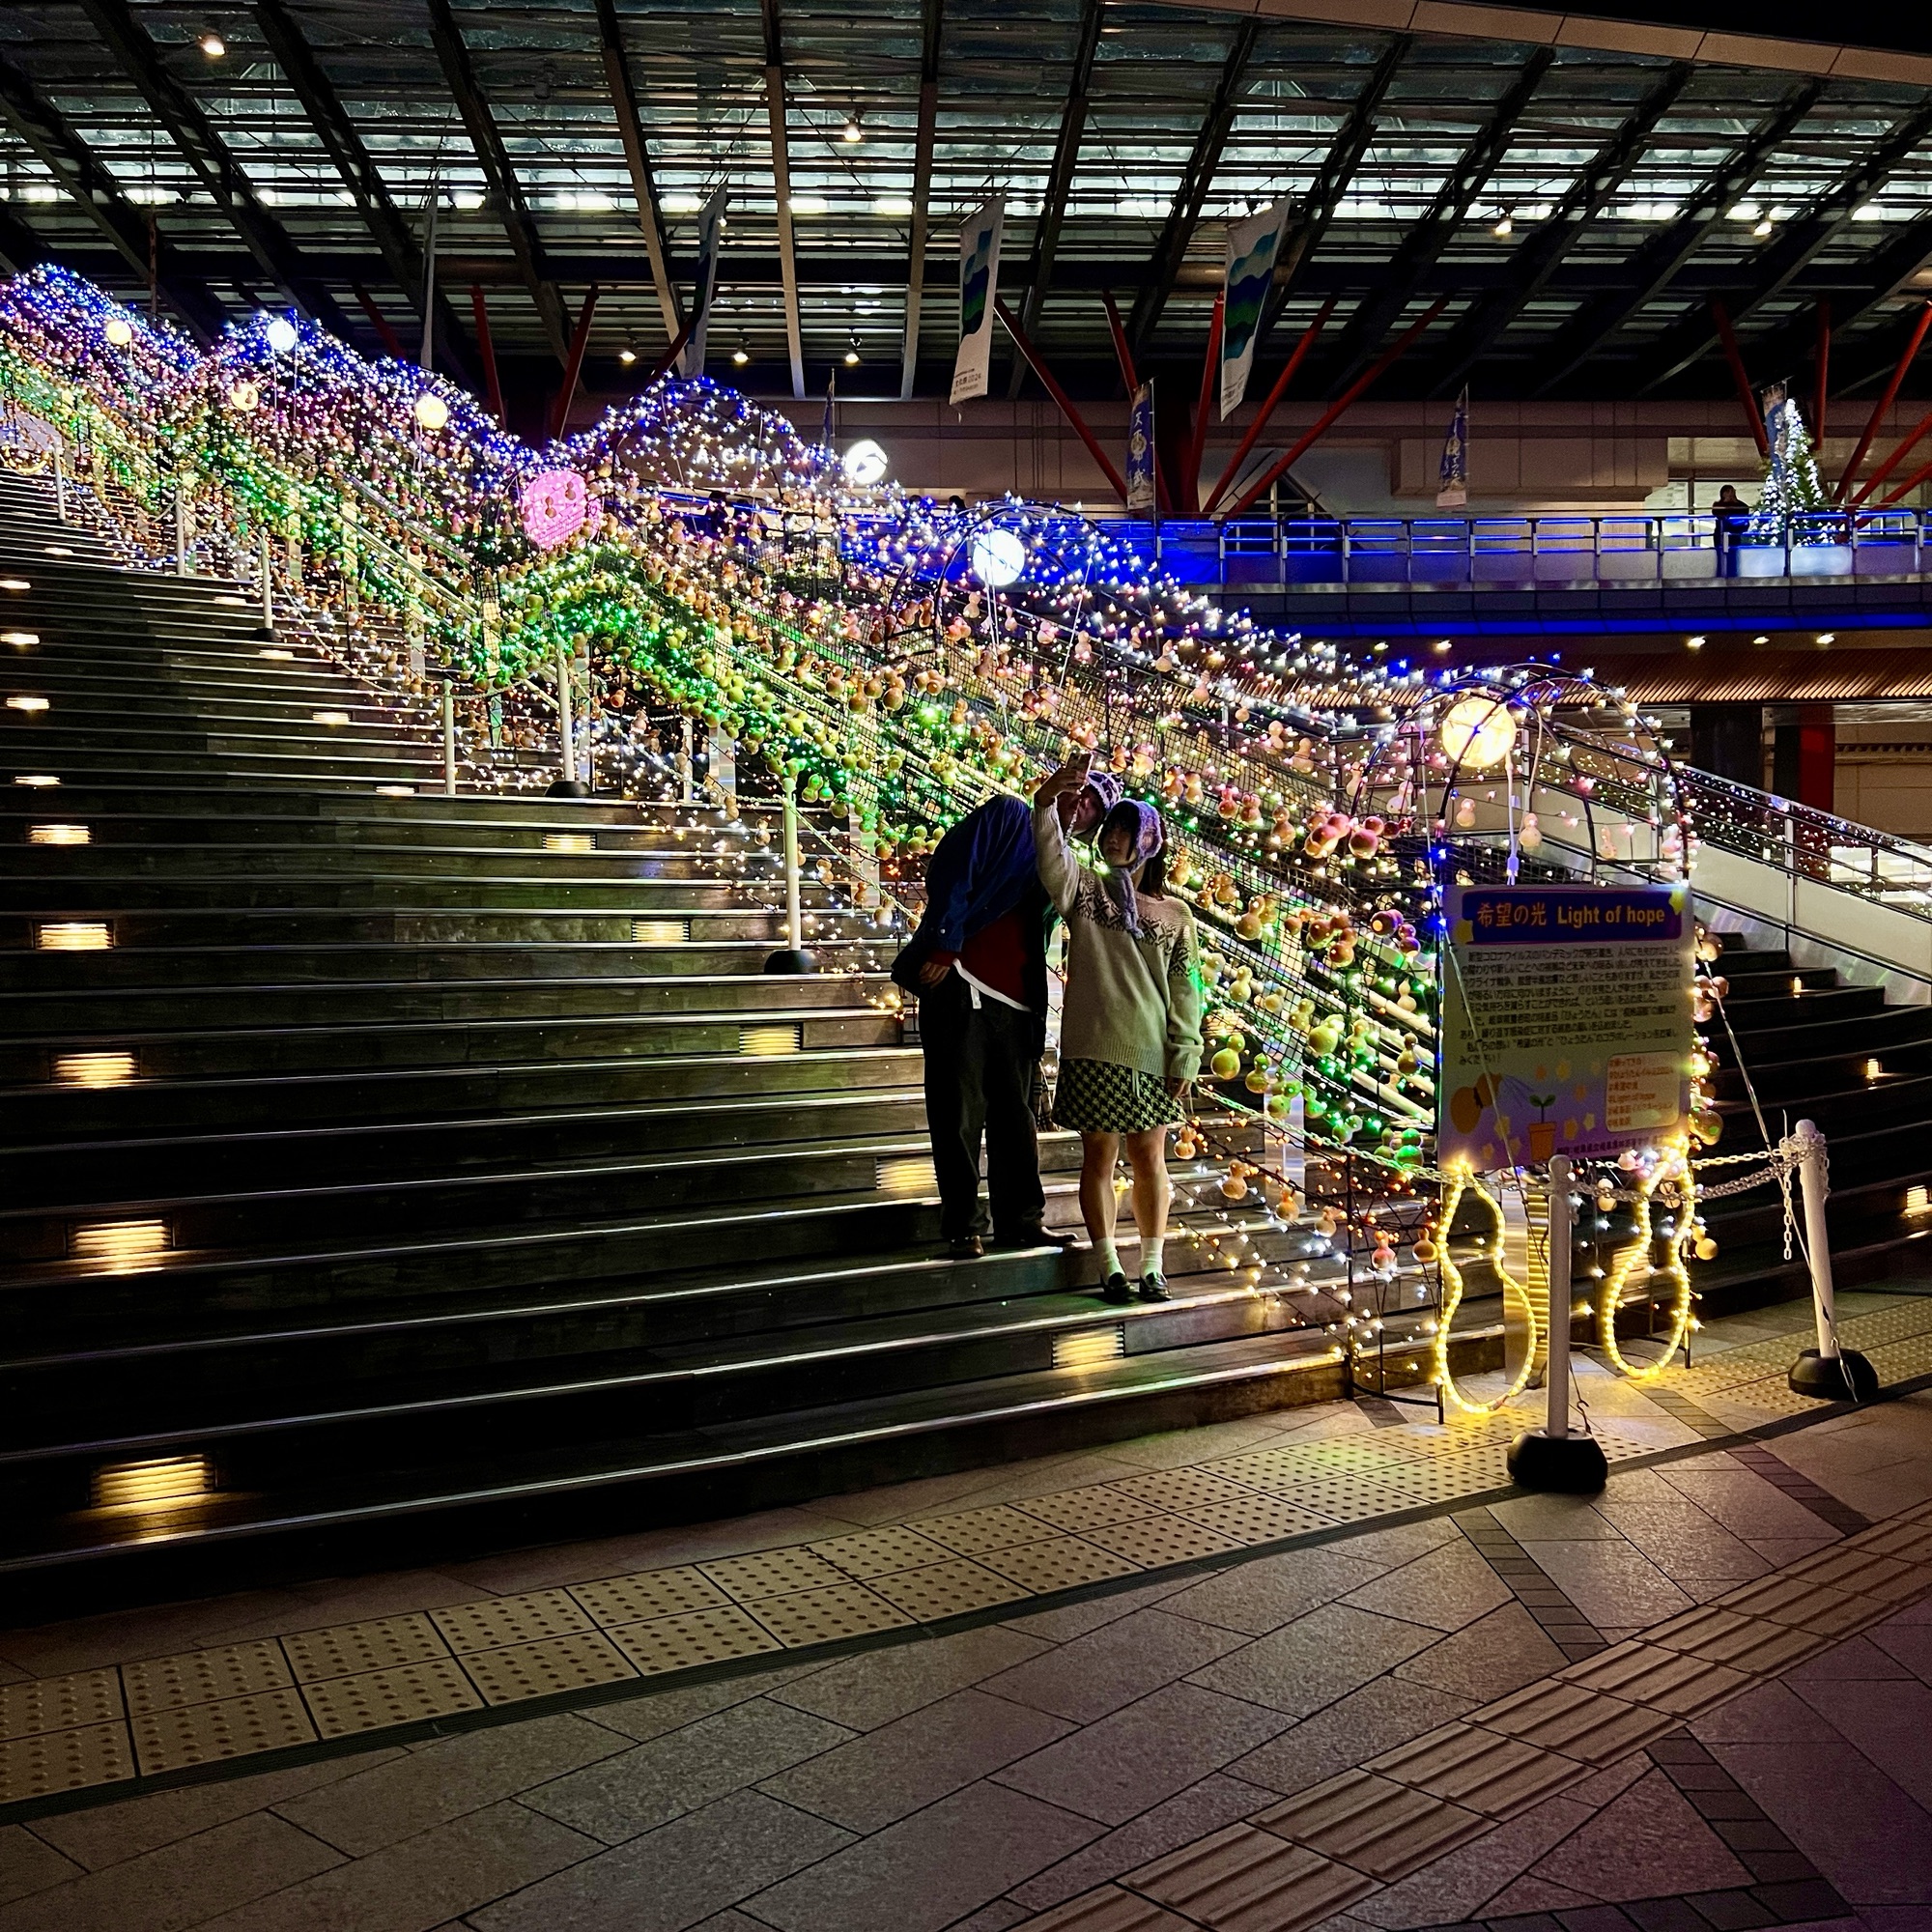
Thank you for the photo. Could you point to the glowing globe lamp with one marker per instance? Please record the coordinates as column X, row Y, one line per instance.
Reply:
column 1478, row 732
column 243, row 397
column 864, row 463
column 120, row 331
column 432, row 412
column 281, row 334
column 998, row 558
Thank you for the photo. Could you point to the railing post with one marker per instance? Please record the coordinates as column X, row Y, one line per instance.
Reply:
column 1550, row 1458
column 448, row 738
column 566, row 725
column 684, row 779
column 1827, row 1372
column 792, row 957
column 181, row 529
column 60, row 481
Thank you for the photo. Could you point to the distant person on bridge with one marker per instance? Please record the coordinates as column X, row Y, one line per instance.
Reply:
column 1733, row 516
column 978, row 964
column 1130, row 1025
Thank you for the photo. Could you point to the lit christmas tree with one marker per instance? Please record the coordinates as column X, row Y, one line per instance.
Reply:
column 1791, row 484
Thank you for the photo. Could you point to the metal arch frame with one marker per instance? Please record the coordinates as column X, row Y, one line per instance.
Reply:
column 776, row 114
column 932, row 20
column 58, row 145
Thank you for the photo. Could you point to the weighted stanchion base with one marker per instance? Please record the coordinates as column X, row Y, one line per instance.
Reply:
column 787, row 961
column 1571, row 1465
column 567, row 789
column 1846, row 1377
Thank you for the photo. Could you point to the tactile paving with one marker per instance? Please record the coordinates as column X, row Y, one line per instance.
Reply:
column 499, row 1620
column 770, row 1573
column 1183, row 1488
column 877, row 1553
column 68, row 1760
column 648, row 1593
column 348, row 1650
column 947, row 1589
column 547, row 1668
column 1163, row 1539
column 1492, row 1773
column 1243, row 1880
column 377, row 1699
column 1343, row 1500
column 1084, row 1509
column 825, row 1616
column 1671, row 1680
column 1793, row 1600
column 1745, row 1643
column 1574, row 1721
column 59, row 1703
column 691, row 1639
column 1864, row 1572
column 189, row 1734
column 1373, row 1825
column 974, row 1532
column 1257, row 1518
column 1060, row 1563
column 203, row 1676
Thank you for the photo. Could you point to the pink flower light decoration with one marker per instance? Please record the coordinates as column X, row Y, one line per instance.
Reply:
column 556, row 505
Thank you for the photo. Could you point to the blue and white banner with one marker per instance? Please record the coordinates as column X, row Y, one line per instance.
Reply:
column 710, row 235
column 1454, row 491
column 978, row 287
column 1252, row 247
column 1143, row 495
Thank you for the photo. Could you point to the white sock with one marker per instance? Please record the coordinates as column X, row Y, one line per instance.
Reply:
column 1110, row 1258
column 1153, row 1250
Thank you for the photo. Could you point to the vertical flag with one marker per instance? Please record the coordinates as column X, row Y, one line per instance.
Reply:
column 1454, row 479
column 1252, row 247
column 1142, row 495
column 710, row 234
column 978, row 285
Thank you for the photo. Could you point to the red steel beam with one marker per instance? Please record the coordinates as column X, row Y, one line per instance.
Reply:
column 1891, row 462
column 380, row 320
column 670, row 355
column 1321, row 425
column 1123, row 354
column 486, row 350
column 1190, row 482
column 1823, row 372
column 1906, row 488
column 1274, row 396
column 1885, row 402
column 1747, row 395
column 1075, row 420
column 573, row 368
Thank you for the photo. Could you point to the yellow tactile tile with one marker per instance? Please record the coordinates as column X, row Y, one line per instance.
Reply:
column 973, row 1532
column 1183, row 1488
column 1671, row 1680
column 1257, row 1518
column 1153, row 1541
column 648, row 1593
column 1373, row 1825
column 1078, row 1510
column 59, row 1703
column 770, row 1573
column 1574, row 1721
column 1058, row 1563
column 1864, row 1572
column 1908, row 1541
column 878, row 1552
column 203, row 1676
column 827, row 1615
column 379, row 1700
column 1482, row 1770
column 684, row 1641
column 1793, row 1600
column 1246, row 1880
column 190, row 1734
column 495, row 1621
column 548, row 1668
column 1745, row 1643
column 348, row 1650
column 947, row 1589
column 65, row 1760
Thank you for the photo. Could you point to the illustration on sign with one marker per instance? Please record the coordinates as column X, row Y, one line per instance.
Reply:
column 1567, row 1022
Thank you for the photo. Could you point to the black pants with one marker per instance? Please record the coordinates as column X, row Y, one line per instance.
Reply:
column 980, row 1069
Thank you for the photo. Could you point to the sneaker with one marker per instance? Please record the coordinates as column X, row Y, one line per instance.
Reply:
column 967, row 1248
column 1114, row 1289
column 1153, row 1287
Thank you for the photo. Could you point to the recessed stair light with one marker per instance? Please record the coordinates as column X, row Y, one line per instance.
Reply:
column 74, row 935
column 58, row 835
column 39, row 780
column 93, row 1069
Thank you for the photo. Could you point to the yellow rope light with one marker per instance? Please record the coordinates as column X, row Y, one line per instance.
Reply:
column 1461, row 1181
column 1675, row 1165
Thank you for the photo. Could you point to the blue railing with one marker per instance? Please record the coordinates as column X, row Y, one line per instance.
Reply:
column 1523, row 551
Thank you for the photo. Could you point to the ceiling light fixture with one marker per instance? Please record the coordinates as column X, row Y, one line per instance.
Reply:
column 1762, row 226
column 627, row 357
column 212, row 44
column 1505, row 226
column 740, row 356
column 853, row 133
column 1693, row 643
column 852, row 356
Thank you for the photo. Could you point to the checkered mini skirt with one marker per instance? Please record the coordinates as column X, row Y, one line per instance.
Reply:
column 1097, row 1097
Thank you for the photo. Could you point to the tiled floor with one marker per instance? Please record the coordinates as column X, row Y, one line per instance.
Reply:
column 1702, row 1693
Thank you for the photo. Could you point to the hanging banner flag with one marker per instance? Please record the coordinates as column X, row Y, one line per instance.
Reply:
column 1252, row 247
column 1143, row 497
column 710, row 234
column 1454, row 491
column 979, row 284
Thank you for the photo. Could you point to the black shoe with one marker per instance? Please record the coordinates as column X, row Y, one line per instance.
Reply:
column 967, row 1248
column 1114, row 1289
column 1035, row 1237
column 1153, row 1287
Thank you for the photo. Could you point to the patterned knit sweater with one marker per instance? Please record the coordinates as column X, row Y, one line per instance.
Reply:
column 1133, row 1002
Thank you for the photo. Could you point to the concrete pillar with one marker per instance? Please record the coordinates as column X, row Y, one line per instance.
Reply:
column 1727, row 740
column 1804, row 754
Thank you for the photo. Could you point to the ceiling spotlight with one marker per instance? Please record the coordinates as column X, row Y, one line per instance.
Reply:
column 740, row 356
column 1762, row 226
column 852, row 356
column 1827, row 637
column 853, row 132
column 1505, row 226
column 212, row 44
column 1760, row 638
column 627, row 357
column 1440, row 645
column 1693, row 643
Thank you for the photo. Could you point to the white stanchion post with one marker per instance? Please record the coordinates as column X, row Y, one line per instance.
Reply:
column 1827, row 1372
column 794, row 958
column 448, row 737
column 181, row 532
column 1550, row 1458
column 566, row 725
column 267, row 583
column 684, row 784
column 59, row 482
